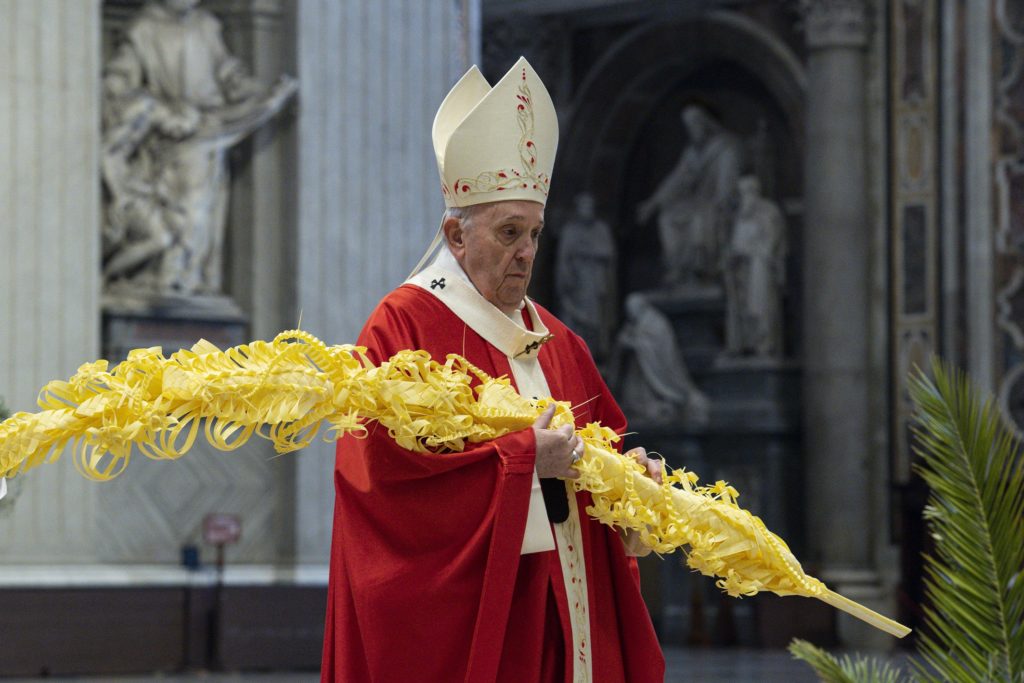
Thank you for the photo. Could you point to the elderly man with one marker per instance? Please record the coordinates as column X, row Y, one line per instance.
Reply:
column 482, row 565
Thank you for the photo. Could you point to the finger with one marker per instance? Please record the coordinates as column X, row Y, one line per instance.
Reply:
column 566, row 431
column 639, row 454
column 571, row 473
column 655, row 469
column 575, row 442
column 544, row 419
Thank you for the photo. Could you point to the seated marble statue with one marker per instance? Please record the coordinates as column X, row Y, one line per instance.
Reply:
column 648, row 371
column 693, row 200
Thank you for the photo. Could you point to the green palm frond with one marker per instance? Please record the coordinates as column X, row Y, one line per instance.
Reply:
column 974, row 620
column 831, row 669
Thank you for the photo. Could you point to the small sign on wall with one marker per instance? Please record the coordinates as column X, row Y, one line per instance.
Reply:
column 221, row 529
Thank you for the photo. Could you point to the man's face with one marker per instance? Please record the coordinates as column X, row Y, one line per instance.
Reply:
column 496, row 247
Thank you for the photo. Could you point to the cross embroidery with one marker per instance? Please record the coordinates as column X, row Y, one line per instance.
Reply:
column 437, row 283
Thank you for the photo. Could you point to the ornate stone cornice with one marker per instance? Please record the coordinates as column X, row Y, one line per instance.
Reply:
column 835, row 23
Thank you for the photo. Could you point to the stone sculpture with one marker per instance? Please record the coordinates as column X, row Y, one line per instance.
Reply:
column 754, row 269
column 693, row 202
column 648, row 371
column 174, row 102
column 584, row 275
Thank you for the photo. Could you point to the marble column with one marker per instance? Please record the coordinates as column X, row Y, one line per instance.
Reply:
column 980, row 217
column 836, row 241
column 371, row 75
column 49, row 258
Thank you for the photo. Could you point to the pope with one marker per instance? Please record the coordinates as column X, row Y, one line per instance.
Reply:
column 509, row 579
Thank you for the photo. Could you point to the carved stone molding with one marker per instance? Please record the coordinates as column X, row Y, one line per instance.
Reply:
column 835, row 23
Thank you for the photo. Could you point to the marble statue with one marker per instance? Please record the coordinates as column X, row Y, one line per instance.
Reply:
column 693, row 202
column 754, row 270
column 648, row 372
column 174, row 102
column 585, row 275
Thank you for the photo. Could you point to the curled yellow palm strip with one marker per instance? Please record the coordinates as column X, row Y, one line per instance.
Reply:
column 286, row 389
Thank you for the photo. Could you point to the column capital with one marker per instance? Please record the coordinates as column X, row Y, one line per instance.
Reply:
column 835, row 23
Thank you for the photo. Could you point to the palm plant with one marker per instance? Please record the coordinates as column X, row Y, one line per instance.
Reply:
column 974, row 617
column 857, row 669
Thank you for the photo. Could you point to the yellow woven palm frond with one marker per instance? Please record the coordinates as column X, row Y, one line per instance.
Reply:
column 286, row 389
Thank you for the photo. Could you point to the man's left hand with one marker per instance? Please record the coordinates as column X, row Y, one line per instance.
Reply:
column 654, row 466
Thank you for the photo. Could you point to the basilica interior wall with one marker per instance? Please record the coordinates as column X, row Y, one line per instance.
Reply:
column 332, row 201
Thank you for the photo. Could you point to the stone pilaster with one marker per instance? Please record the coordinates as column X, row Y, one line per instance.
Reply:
column 372, row 75
column 836, row 241
column 50, row 260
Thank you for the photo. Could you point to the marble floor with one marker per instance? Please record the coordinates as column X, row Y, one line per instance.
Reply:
column 720, row 666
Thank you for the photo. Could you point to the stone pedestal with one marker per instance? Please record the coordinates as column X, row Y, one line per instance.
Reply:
column 171, row 325
column 754, row 395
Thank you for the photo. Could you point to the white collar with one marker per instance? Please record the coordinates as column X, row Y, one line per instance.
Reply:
column 445, row 279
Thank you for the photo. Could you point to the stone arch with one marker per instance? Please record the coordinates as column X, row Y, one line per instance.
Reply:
column 621, row 131
column 619, row 92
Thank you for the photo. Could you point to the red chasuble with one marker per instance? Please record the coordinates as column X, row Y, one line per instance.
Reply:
column 427, row 582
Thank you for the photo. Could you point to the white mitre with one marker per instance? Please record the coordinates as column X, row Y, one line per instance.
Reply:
column 496, row 143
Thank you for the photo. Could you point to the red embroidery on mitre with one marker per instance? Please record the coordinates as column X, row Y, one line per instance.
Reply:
column 491, row 181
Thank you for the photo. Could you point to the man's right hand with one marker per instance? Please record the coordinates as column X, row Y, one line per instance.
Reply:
column 555, row 447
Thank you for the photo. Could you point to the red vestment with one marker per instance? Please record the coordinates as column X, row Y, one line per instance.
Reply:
column 427, row 582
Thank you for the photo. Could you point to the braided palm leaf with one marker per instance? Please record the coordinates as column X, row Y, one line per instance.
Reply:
column 285, row 389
